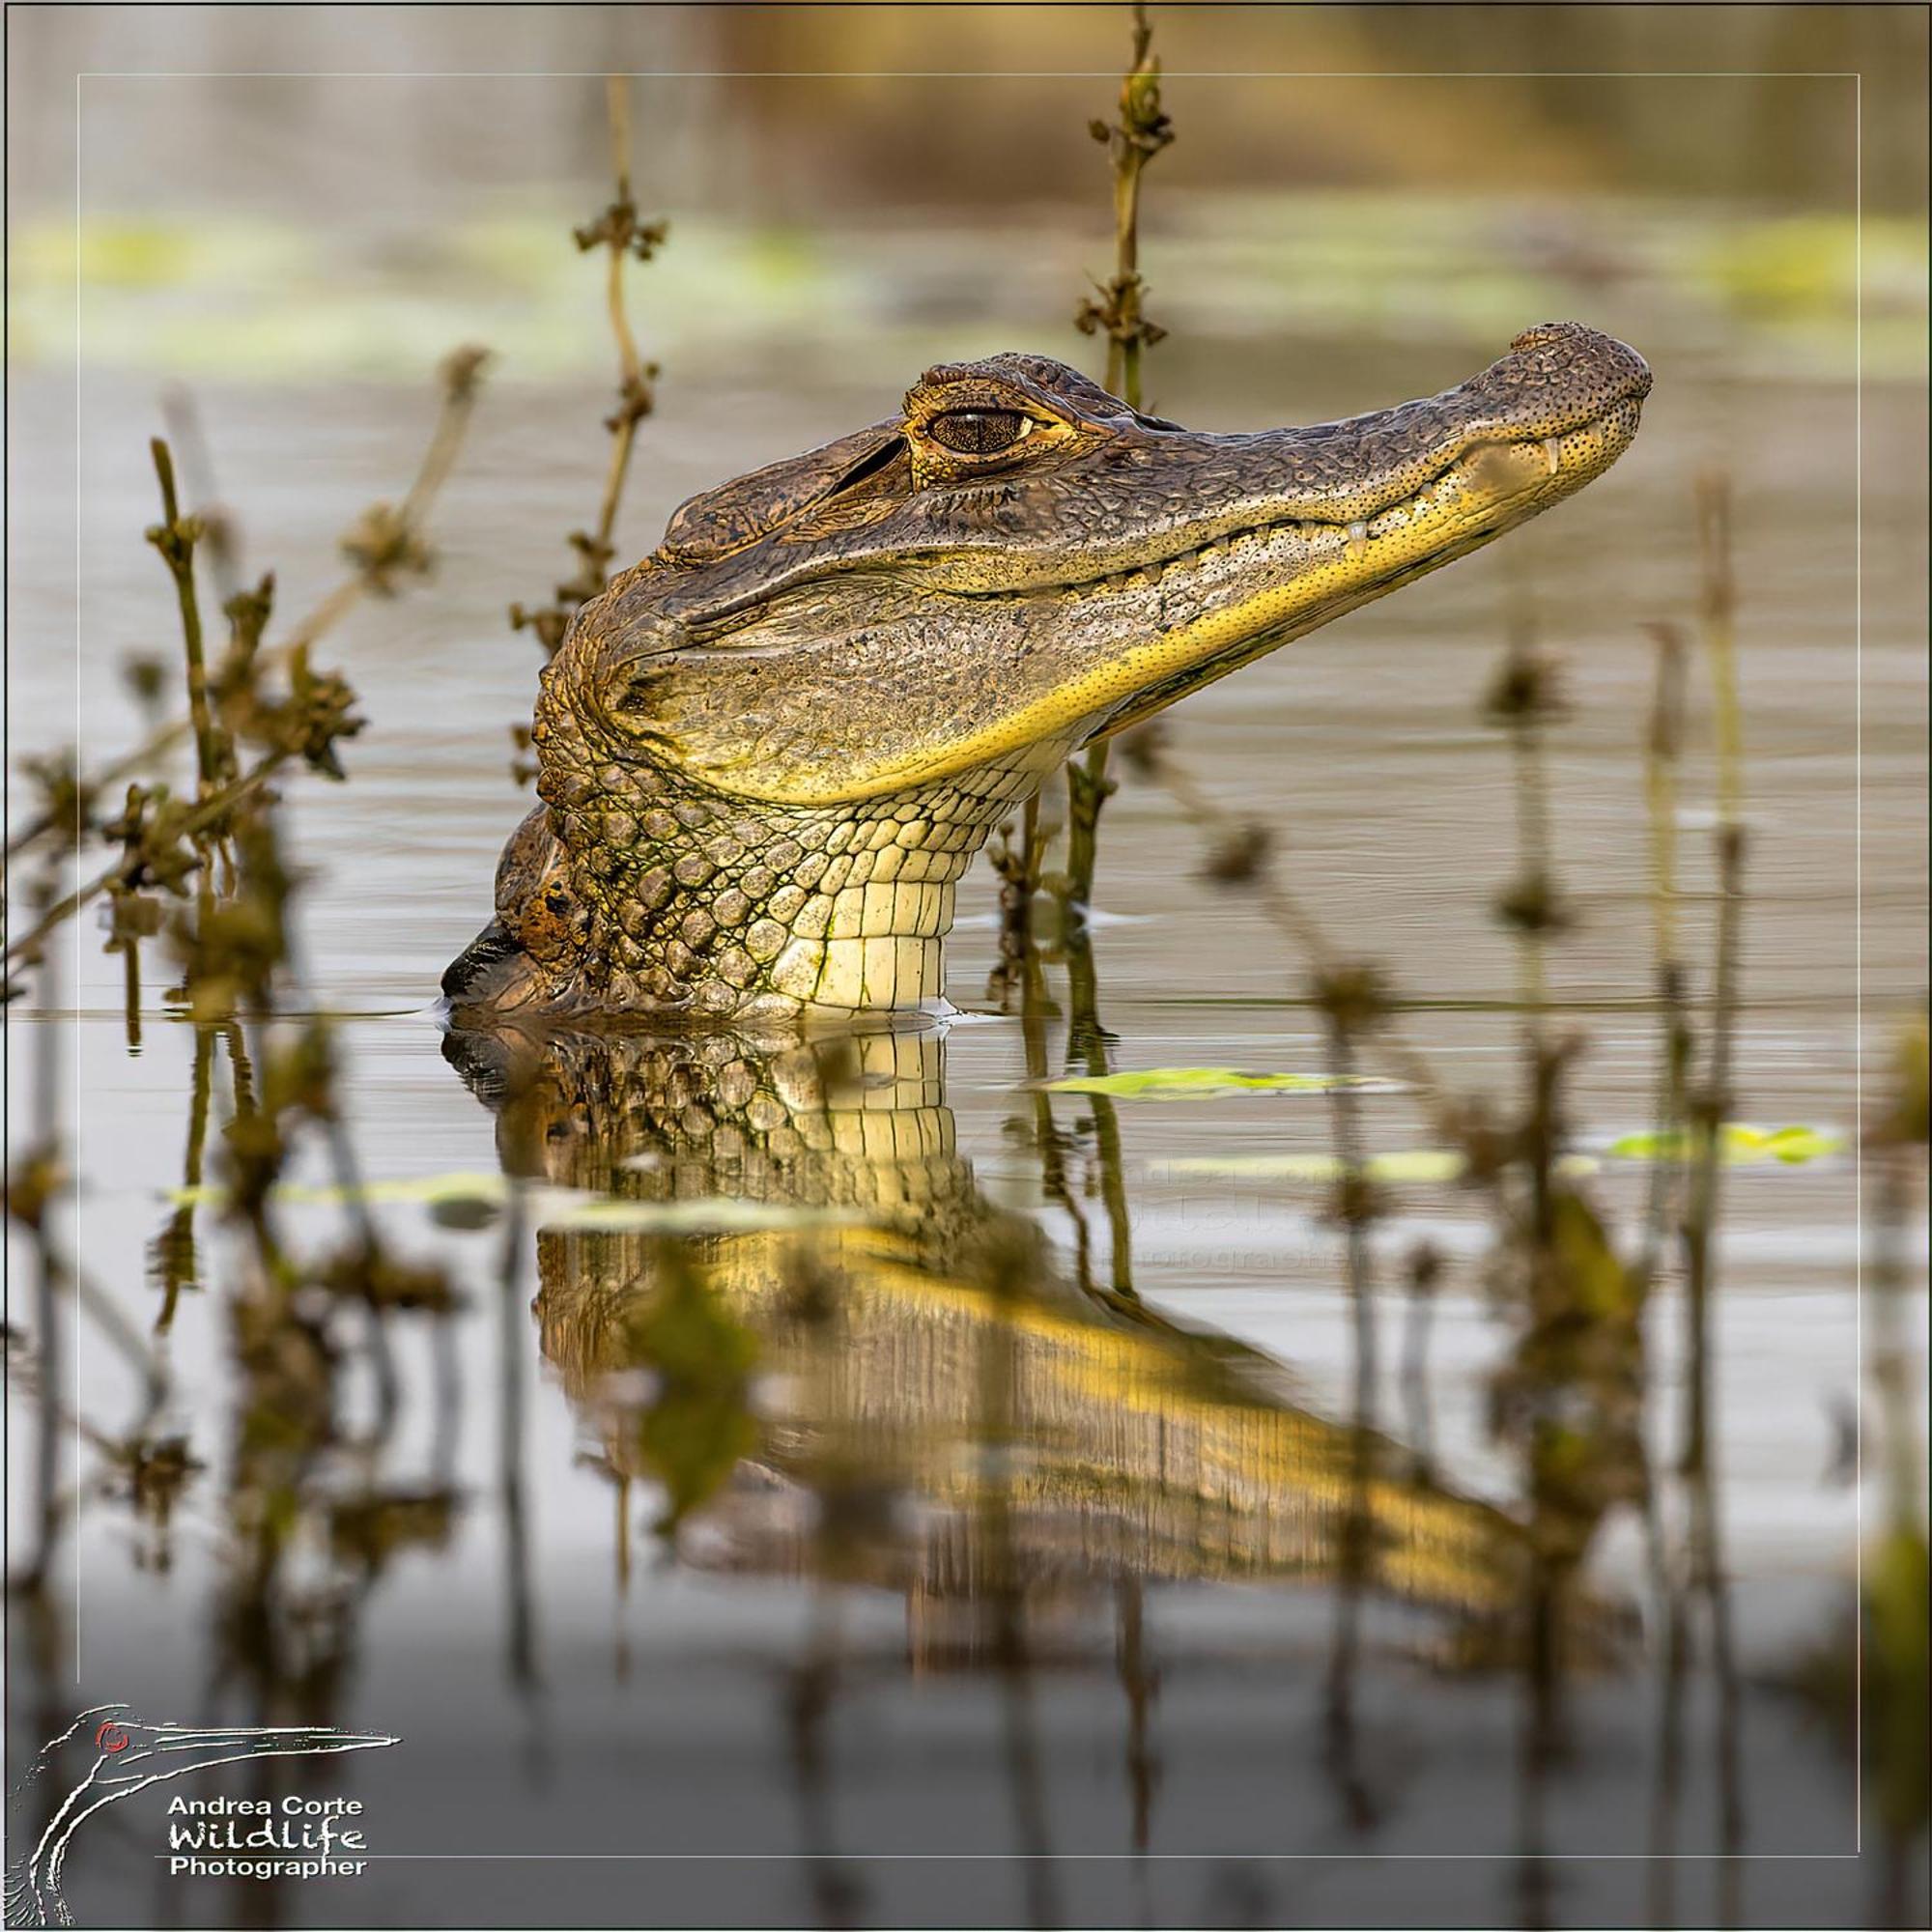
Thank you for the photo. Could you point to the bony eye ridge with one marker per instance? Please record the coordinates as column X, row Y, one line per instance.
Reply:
column 980, row 432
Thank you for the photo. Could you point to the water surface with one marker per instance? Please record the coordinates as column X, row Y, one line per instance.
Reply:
column 1010, row 1562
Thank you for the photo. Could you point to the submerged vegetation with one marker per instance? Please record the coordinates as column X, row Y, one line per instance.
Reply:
column 789, row 1315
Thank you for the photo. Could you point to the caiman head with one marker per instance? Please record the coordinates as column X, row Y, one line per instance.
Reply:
column 768, row 751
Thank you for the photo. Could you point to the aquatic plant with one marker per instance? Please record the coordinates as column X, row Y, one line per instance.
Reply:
column 1180, row 1083
column 204, row 873
column 1142, row 130
column 624, row 236
column 158, row 834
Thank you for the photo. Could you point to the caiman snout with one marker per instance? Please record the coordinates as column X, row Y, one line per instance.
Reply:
column 1596, row 368
column 770, row 750
column 1558, row 380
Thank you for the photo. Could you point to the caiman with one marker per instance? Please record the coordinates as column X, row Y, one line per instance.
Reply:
column 768, row 751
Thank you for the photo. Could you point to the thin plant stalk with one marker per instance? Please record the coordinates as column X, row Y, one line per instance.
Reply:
column 176, row 537
column 43, row 1163
column 1892, row 1691
column 630, row 365
column 1663, row 748
column 1140, row 1684
column 1354, row 1204
column 520, row 1634
column 1087, row 1045
column 175, row 1246
column 1139, row 135
column 1709, row 1110
column 622, row 236
column 1034, row 1010
column 209, row 812
column 1002, row 1585
column 1020, row 868
column 459, row 399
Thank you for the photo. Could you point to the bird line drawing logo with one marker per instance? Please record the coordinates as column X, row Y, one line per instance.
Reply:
column 105, row 1755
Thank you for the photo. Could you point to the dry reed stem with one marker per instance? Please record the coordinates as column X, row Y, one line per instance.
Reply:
column 1132, row 141
column 622, row 235
column 458, row 372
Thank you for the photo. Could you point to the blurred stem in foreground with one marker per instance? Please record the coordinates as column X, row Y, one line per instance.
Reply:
column 1710, row 1101
column 1355, row 1206
column 1702, row 1103
column 1523, row 701
column 1895, row 1606
column 1709, row 1106
column 622, row 236
column 1662, row 750
column 1087, row 1042
column 1004, row 1266
column 37, row 1179
column 1717, row 614
column 173, row 1262
column 1864, row 1678
column 175, row 536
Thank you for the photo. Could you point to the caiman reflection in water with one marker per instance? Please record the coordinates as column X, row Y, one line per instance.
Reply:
column 890, row 1380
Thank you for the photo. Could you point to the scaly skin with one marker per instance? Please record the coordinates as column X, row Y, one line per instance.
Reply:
column 769, row 750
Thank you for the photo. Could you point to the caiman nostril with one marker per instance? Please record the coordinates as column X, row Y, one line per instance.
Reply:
column 1582, row 346
column 1548, row 334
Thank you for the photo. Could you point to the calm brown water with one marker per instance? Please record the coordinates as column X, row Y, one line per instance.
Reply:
column 1132, row 1668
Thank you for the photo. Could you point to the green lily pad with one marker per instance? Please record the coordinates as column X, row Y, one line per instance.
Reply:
column 716, row 1215
column 1196, row 1083
column 460, row 1200
column 1740, row 1144
column 1414, row 1166
column 430, row 1190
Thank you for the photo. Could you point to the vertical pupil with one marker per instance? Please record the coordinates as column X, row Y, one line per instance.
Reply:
column 977, row 432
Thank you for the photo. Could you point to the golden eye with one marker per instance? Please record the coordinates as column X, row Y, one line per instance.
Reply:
column 980, row 432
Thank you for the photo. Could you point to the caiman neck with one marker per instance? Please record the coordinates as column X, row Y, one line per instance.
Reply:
column 632, row 888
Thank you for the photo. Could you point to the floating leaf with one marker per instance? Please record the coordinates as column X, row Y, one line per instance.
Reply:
column 432, row 1191
column 1194, row 1083
column 1741, row 1145
column 470, row 1200
column 715, row 1214
column 1413, row 1165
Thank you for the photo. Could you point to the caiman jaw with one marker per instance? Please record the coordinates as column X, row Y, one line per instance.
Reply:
column 1267, row 583
column 770, row 751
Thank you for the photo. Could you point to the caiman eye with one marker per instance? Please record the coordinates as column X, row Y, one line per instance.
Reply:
column 980, row 432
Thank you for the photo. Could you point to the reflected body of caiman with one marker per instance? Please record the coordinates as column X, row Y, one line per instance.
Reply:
column 769, row 750
column 909, row 1392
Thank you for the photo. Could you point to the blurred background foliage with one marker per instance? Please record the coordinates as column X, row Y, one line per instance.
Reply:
column 922, row 175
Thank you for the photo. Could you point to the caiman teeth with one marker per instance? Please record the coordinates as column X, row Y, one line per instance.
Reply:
column 1358, row 538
